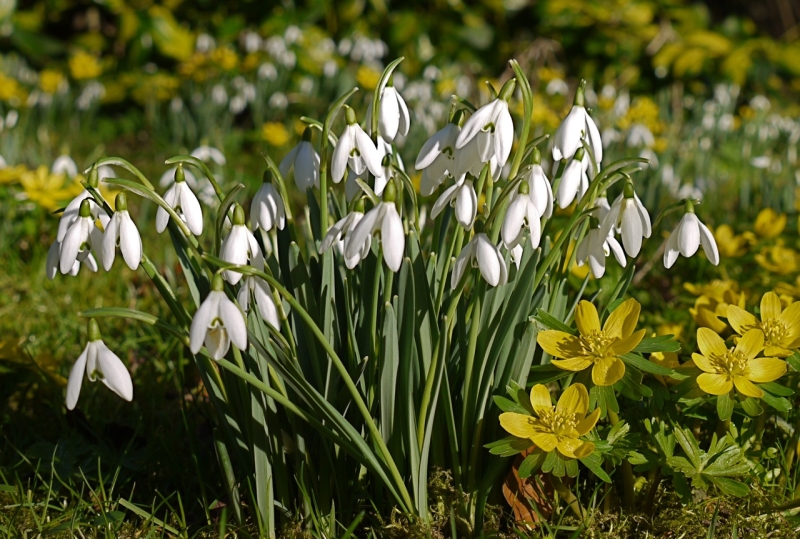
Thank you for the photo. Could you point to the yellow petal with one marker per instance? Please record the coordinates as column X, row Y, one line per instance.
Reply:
column 568, row 446
column 714, row 384
column 574, row 400
column 559, row 344
column 518, row 425
column 710, row 343
column 575, row 364
column 770, row 306
column 740, row 320
column 586, row 318
column 622, row 321
column 608, row 371
column 627, row 344
column 540, row 399
column 791, row 317
column 751, row 343
column 702, row 363
column 765, row 369
column 584, row 450
column 545, row 441
column 777, row 351
column 746, row 387
column 588, row 423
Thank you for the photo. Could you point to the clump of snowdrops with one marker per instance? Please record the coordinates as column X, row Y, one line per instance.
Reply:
column 351, row 346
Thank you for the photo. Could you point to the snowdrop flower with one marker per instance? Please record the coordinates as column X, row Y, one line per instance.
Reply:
column 462, row 196
column 382, row 218
column 521, row 213
column 181, row 199
column 576, row 126
column 516, row 255
column 393, row 118
column 354, row 149
column 71, row 211
column 468, row 160
column 261, row 291
column 630, row 218
column 574, row 181
column 207, row 154
column 596, row 246
column 341, row 229
column 217, row 323
column 267, row 208
column 688, row 236
column 239, row 247
column 97, row 361
column 305, row 161
column 436, row 159
column 54, row 256
column 82, row 237
column 64, row 164
column 121, row 231
column 351, row 186
column 539, row 188
column 480, row 252
column 493, row 128
column 601, row 207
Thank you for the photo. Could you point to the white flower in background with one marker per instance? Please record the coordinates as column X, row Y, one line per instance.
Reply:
column 181, row 199
column 239, row 247
column 217, row 323
column 480, row 252
column 205, row 43
column 463, row 198
column 261, row 291
column 436, row 159
column 267, row 209
column 305, row 160
column 97, row 361
column 81, row 238
column 54, row 256
column 595, row 247
column 539, row 188
column 493, row 128
column 576, row 126
column 687, row 237
column 64, row 164
column 574, row 181
column 267, row 71
column 393, row 118
column 640, row 135
column 629, row 217
column 121, row 231
column 209, row 154
column 341, row 229
column 354, row 149
column 521, row 213
column 382, row 218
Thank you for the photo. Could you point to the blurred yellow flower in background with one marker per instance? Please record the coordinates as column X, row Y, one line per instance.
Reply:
column 48, row 190
column 729, row 244
column 50, row 80
column 769, row 223
column 275, row 133
column 83, row 66
column 367, row 77
column 11, row 174
column 11, row 91
column 713, row 302
column 779, row 259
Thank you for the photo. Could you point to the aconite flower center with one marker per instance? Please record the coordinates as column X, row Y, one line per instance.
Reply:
column 560, row 422
column 733, row 363
column 596, row 344
column 774, row 330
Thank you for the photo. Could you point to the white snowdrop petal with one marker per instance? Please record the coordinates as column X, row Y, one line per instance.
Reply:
column 70, row 214
column 192, row 212
column 115, row 376
column 616, row 249
column 265, row 303
column 461, row 264
column 567, row 139
column 443, row 200
column 393, row 239
column 108, row 250
column 570, row 183
column 594, row 139
column 466, row 206
column 709, row 244
column 217, row 342
column 306, row 167
column 341, row 154
column 671, row 251
column 76, row 379
column 130, row 243
column 688, row 234
column 355, row 239
column 488, row 262
column 289, row 161
column 512, row 223
column 208, row 311
column 433, row 147
column 389, row 118
column 475, row 125
column 53, row 255
column 631, row 231
column 369, row 152
column 503, row 135
column 405, row 120
column 234, row 323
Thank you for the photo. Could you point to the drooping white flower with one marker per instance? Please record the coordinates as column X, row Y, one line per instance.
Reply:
column 463, row 198
column 267, row 208
column 577, row 126
column 64, row 164
column 305, row 161
column 629, row 218
column 54, row 256
column 217, row 323
column 351, row 186
column 492, row 126
column 596, row 246
column 182, row 199
column 207, row 154
column 382, row 218
column 261, row 291
column 393, row 118
column 480, row 252
column 436, row 159
column 539, row 188
column 468, row 160
column 574, row 181
column 121, row 231
column 341, row 229
column 516, row 255
column 240, row 247
column 687, row 237
column 71, row 211
column 354, row 149
column 97, row 361
column 521, row 213
column 81, row 238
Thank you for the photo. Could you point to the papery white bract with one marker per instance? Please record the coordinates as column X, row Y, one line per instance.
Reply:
column 577, row 126
column 217, row 323
column 262, row 293
column 463, row 198
column 687, row 237
column 493, row 128
column 305, row 161
column 267, row 208
column 239, row 247
column 436, row 159
column 630, row 219
column 382, row 218
column 97, row 361
column 480, row 252
column 182, row 199
column 121, row 231
column 356, row 150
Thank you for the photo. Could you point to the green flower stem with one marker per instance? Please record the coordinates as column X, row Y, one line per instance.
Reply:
column 468, row 367
column 527, row 106
column 627, row 472
column 373, row 313
column 455, row 245
column 567, row 495
column 120, row 162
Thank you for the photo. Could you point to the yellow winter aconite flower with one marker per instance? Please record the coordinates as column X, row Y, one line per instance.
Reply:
column 725, row 368
column 782, row 288
column 275, row 133
column 83, row 65
column 556, row 428
column 595, row 347
column 46, row 189
column 713, row 302
column 769, row 223
column 367, row 77
column 11, row 174
column 730, row 245
column 50, row 80
column 781, row 328
column 779, row 259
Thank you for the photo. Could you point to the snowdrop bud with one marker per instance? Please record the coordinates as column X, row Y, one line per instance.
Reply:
column 267, row 209
column 463, row 197
column 393, row 118
column 123, row 232
column 688, row 236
